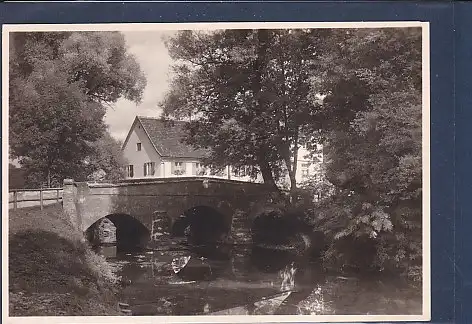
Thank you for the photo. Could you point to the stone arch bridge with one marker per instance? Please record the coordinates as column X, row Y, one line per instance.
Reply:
column 158, row 203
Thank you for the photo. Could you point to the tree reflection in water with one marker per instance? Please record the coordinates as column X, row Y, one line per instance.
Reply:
column 288, row 277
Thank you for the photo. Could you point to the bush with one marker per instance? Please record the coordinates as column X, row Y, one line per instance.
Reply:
column 100, row 268
column 367, row 236
column 52, row 271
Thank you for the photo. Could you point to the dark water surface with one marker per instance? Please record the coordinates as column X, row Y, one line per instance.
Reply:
column 253, row 281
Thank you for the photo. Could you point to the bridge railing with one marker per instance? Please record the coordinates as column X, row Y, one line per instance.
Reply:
column 21, row 198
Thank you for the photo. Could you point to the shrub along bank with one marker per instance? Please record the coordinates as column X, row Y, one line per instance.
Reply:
column 52, row 271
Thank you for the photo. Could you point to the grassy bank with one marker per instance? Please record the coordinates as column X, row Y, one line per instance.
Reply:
column 53, row 272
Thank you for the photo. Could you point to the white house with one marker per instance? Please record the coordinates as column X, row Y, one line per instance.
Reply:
column 154, row 149
column 309, row 166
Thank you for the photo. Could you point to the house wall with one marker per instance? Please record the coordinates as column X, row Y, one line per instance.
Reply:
column 164, row 166
column 245, row 177
column 147, row 153
column 314, row 164
column 187, row 164
column 306, row 163
column 191, row 170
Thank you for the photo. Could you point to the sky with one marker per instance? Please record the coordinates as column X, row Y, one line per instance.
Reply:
column 151, row 53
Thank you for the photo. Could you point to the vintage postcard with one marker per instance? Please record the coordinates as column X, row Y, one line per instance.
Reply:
column 216, row 172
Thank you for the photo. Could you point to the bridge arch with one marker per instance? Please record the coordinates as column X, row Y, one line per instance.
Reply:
column 131, row 234
column 276, row 225
column 202, row 224
column 271, row 226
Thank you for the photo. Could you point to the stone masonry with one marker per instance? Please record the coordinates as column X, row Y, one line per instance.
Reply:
column 157, row 204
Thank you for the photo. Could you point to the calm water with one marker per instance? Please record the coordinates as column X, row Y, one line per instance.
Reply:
column 252, row 281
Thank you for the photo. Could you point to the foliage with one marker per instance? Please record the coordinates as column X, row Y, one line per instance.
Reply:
column 254, row 96
column 102, row 269
column 108, row 160
column 373, row 156
column 201, row 171
column 246, row 94
column 59, row 86
column 16, row 177
column 60, row 122
column 315, row 187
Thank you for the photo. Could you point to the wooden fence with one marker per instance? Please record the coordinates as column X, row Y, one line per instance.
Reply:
column 20, row 198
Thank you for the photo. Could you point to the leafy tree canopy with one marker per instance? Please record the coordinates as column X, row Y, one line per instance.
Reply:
column 107, row 164
column 372, row 116
column 246, row 93
column 254, row 96
column 60, row 84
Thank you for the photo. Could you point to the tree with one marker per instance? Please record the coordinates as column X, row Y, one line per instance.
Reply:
column 107, row 160
column 16, row 178
column 246, row 94
column 372, row 125
column 60, row 84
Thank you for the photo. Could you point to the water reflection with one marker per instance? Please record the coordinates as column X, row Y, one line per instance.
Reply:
column 288, row 277
column 270, row 261
column 186, row 283
column 246, row 281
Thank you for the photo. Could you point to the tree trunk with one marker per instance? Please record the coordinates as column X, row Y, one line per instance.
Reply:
column 293, row 176
column 268, row 176
column 259, row 67
column 260, row 62
column 292, row 166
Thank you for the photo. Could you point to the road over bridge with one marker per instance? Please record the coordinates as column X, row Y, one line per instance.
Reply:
column 167, row 206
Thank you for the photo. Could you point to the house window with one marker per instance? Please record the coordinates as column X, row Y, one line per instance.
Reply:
column 241, row 172
column 178, row 168
column 236, row 172
column 149, row 169
column 305, row 170
column 200, row 170
column 130, row 171
column 138, row 146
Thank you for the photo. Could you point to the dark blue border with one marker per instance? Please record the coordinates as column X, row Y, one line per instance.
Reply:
column 463, row 14
column 440, row 16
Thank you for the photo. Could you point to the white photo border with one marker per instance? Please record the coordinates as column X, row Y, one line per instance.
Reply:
column 426, row 181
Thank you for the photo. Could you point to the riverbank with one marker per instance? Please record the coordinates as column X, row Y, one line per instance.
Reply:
column 52, row 271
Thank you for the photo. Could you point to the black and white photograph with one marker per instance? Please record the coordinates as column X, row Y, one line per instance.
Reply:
column 216, row 172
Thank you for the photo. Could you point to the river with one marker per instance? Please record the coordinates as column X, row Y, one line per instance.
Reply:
column 245, row 280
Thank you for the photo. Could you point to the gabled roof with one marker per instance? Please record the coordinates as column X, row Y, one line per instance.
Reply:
column 166, row 137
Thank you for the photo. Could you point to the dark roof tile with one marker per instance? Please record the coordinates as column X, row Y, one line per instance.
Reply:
column 167, row 138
